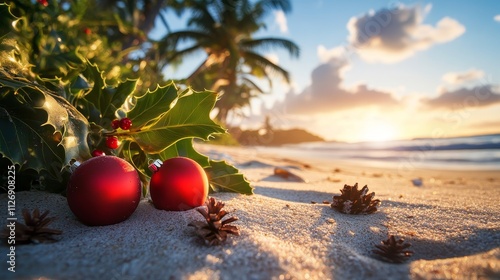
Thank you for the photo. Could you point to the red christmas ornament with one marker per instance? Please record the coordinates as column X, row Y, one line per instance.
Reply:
column 178, row 184
column 104, row 190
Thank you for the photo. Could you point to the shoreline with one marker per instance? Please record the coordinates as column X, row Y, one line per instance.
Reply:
column 255, row 152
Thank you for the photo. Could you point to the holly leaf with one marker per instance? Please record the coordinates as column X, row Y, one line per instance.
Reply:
column 103, row 99
column 38, row 123
column 133, row 154
column 225, row 177
column 184, row 148
column 188, row 118
column 150, row 106
column 23, row 137
column 71, row 123
column 7, row 20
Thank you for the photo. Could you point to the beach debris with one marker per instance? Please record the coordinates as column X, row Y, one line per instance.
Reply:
column 392, row 250
column 354, row 201
column 214, row 230
column 417, row 182
column 334, row 180
column 285, row 174
column 323, row 202
column 34, row 230
column 301, row 164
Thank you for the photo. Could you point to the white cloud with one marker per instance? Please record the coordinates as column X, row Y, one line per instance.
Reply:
column 327, row 93
column 392, row 35
column 480, row 96
column 496, row 18
column 325, row 55
column 455, row 78
column 280, row 19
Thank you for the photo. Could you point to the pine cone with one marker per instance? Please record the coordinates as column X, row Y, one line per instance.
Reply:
column 352, row 201
column 35, row 229
column 393, row 251
column 214, row 231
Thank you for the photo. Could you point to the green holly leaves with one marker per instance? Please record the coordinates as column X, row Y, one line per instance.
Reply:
column 188, row 117
column 39, row 130
column 56, row 106
column 165, row 123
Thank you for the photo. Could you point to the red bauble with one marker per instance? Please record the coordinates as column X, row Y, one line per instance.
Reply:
column 179, row 184
column 104, row 190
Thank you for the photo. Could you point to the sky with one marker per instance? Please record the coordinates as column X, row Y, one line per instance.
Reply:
column 380, row 70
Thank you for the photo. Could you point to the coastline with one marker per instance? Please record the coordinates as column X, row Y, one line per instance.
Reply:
column 452, row 221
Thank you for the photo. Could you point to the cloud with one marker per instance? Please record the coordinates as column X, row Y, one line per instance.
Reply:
column 496, row 18
column 455, row 78
column 392, row 35
column 327, row 94
column 280, row 19
column 479, row 96
column 326, row 55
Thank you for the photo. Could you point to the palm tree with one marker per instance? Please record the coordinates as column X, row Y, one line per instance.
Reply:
column 223, row 29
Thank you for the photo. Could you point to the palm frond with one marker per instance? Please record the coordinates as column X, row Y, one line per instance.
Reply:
column 177, row 37
column 256, row 60
column 251, row 85
column 271, row 43
column 201, row 17
column 283, row 5
column 180, row 54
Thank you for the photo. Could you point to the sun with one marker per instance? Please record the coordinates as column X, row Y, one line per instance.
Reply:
column 378, row 131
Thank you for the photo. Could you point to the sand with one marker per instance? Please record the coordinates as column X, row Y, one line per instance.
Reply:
column 452, row 222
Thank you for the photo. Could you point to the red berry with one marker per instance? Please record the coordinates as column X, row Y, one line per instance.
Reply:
column 125, row 123
column 115, row 124
column 44, row 3
column 96, row 153
column 112, row 142
column 179, row 184
column 87, row 31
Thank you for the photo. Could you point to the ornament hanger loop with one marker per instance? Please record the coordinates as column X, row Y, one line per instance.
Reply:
column 155, row 165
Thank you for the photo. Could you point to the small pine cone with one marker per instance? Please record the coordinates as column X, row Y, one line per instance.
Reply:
column 393, row 251
column 354, row 201
column 214, row 230
column 34, row 230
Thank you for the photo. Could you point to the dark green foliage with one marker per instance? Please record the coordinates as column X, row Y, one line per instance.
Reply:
column 58, row 111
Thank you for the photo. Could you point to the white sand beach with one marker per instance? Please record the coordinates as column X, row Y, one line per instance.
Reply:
column 452, row 222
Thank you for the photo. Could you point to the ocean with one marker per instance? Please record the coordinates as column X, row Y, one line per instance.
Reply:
column 459, row 153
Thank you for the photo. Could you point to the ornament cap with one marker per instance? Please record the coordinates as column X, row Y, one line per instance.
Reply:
column 155, row 165
column 74, row 166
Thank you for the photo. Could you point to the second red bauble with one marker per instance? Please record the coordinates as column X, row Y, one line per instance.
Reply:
column 104, row 190
column 179, row 184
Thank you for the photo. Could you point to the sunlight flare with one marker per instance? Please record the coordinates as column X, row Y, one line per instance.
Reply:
column 378, row 131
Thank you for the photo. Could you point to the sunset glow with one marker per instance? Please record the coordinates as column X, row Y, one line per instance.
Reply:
column 378, row 131
column 352, row 86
